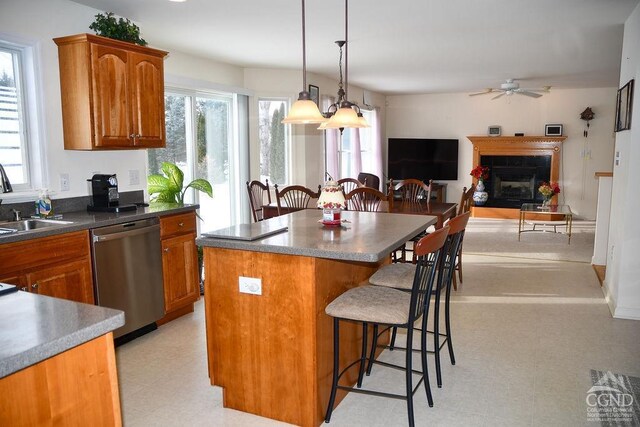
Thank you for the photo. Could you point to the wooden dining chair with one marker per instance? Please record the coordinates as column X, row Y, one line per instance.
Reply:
column 256, row 191
column 466, row 199
column 295, row 197
column 369, row 180
column 463, row 207
column 349, row 184
column 365, row 199
column 413, row 193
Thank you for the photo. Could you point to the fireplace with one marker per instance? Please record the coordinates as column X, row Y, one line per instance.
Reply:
column 514, row 180
column 517, row 166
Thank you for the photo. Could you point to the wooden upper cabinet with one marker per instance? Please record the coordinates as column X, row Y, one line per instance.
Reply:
column 147, row 100
column 112, row 94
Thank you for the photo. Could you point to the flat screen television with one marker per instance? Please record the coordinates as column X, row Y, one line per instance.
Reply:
column 423, row 159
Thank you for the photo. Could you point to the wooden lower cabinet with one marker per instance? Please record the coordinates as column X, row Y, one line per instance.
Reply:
column 78, row 387
column 57, row 266
column 71, row 280
column 180, row 271
column 179, row 264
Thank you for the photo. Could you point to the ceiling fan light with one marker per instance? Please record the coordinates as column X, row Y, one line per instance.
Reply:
column 304, row 111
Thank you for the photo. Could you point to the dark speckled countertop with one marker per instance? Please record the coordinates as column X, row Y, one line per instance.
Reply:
column 83, row 220
column 37, row 327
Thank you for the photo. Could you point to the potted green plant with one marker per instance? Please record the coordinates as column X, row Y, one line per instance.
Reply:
column 119, row 29
column 169, row 188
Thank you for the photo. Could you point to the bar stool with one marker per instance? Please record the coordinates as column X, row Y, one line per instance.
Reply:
column 379, row 305
column 398, row 276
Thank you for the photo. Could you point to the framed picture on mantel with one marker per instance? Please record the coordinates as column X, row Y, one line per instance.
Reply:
column 623, row 107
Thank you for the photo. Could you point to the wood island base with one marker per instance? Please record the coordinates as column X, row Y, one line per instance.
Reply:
column 273, row 353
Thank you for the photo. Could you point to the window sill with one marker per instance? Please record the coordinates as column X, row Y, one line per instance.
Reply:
column 19, row 196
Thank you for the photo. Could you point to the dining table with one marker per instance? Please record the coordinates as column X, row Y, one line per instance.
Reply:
column 442, row 211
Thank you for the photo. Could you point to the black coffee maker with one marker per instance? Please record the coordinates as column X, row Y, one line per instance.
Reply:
column 105, row 196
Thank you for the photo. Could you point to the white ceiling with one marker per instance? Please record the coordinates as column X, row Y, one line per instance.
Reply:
column 401, row 46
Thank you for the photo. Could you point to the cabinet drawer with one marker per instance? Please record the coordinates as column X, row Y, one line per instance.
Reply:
column 19, row 256
column 177, row 224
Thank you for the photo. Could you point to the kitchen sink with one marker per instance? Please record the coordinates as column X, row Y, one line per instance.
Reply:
column 30, row 224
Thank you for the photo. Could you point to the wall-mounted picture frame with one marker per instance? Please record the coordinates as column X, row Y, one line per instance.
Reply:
column 624, row 105
column 314, row 92
column 553, row 130
column 494, row 131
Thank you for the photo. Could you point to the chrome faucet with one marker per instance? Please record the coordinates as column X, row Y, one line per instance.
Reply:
column 5, row 185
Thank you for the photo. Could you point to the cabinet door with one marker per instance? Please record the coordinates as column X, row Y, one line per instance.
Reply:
column 180, row 271
column 71, row 280
column 111, row 109
column 18, row 280
column 147, row 100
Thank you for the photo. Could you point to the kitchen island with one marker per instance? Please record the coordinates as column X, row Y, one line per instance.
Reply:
column 271, row 349
column 57, row 363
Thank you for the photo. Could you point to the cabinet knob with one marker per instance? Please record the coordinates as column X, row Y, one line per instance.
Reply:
column 166, row 249
column 137, row 135
column 24, row 289
column 132, row 136
column 181, row 224
column 34, row 286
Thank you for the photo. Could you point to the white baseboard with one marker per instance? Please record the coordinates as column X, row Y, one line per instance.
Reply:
column 629, row 313
column 609, row 298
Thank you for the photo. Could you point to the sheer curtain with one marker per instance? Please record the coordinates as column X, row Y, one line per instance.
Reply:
column 356, row 154
column 376, row 145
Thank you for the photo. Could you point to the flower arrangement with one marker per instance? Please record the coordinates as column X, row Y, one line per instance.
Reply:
column 480, row 172
column 549, row 189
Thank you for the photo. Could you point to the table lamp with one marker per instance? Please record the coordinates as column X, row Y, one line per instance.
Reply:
column 331, row 202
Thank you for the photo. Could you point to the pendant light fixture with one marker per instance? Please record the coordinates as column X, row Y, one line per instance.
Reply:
column 304, row 110
column 343, row 113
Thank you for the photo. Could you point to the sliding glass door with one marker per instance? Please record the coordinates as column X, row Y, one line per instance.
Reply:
column 200, row 140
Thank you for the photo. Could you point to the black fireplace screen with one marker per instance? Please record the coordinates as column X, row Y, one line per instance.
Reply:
column 514, row 180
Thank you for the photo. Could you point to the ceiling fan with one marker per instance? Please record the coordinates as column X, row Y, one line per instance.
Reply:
column 510, row 87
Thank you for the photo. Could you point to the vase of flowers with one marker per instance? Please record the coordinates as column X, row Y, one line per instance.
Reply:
column 548, row 190
column 480, row 196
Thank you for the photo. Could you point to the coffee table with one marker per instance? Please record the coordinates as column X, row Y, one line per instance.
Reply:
column 538, row 215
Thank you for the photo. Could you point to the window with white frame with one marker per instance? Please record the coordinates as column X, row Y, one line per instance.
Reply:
column 14, row 144
column 274, row 140
column 347, row 149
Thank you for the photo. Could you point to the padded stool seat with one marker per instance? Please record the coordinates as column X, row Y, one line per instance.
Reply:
column 372, row 304
column 398, row 276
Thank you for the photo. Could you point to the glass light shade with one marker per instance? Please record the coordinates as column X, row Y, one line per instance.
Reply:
column 363, row 121
column 345, row 117
column 304, row 111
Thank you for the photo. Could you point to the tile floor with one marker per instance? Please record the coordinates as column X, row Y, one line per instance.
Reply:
column 527, row 332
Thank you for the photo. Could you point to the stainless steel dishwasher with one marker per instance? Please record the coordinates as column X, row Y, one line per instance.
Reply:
column 127, row 270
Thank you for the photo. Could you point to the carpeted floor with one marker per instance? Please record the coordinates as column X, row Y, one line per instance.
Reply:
column 499, row 237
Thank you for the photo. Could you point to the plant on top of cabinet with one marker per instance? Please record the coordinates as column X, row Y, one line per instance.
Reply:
column 169, row 188
column 112, row 94
column 121, row 29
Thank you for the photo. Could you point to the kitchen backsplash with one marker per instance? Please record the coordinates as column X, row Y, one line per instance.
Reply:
column 61, row 206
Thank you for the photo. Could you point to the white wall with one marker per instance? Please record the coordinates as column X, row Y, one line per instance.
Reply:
column 457, row 115
column 622, row 282
column 39, row 21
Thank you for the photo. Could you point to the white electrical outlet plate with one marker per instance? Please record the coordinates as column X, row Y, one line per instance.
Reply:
column 250, row 285
column 64, row 182
column 134, row 177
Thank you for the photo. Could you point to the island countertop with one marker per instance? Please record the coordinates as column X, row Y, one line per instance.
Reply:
column 363, row 237
column 37, row 327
